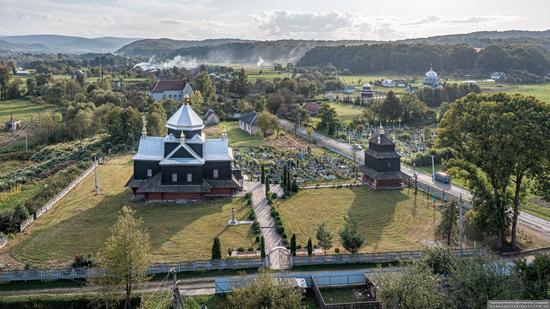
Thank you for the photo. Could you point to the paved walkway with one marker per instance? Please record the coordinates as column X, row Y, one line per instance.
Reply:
column 272, row 239
column 526, row 221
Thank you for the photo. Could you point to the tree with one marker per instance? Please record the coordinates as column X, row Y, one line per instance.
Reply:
column 240, row 85
column 324, row 237
column 534, row 277
column 197, row 100
column 414, row 288
column 487, row 146
column 5, row 76
column 329, row 119
column 126, row 254
column 309, row 247
column 204, row 84
column 216, row 249
column 156, row 120
column 267, row 122
column 476, row 280
column 309, row 131
column 265, row 292
column 262, row 180
column 448, row 224
column 390, row 109
column 351, row 239
column 14, row 89
column 531, row 143
column 262, row 247
column 133, row 125
column 295, row 186
column 293, row 244
column 267, row 188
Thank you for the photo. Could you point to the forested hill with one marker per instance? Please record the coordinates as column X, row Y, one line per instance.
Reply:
column 416, row 58
column 163, row 47
column 483, row 39
column 267, row 52
column 240, row 51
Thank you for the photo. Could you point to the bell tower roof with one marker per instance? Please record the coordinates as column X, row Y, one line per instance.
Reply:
column 185, row 119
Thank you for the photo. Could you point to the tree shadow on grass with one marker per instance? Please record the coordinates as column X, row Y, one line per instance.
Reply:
column 375, row 212
column 86, row 232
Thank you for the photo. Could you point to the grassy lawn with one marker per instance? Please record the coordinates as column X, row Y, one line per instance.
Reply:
column 237, row 138
column 79, row 224
column 390, row 220
column 21, row 110
column 537, row 210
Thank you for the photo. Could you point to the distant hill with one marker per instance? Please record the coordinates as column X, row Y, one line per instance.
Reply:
column 48, row 43
column 163, row 47
column 259, row 52
column 483, row 39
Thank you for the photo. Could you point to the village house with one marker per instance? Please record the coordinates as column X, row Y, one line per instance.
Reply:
column 171, row 89
column 211, row 118
column 184, row 165
column 312, row 108
column 247, row 122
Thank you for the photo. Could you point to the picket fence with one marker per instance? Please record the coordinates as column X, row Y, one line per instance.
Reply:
column 207, row 265
column 49, row 204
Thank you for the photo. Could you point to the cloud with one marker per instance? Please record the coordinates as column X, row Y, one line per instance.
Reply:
column 461, row 20
column 287, row 23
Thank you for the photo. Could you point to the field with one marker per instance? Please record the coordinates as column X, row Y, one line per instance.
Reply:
column 237, row 138
column 390, row 220
column 21, row 110
column 79, row 224
column 267, row 73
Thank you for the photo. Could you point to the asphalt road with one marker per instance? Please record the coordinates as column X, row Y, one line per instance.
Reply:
column 527, row 221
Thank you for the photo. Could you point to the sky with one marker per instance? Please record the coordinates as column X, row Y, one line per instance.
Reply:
column 270, row 19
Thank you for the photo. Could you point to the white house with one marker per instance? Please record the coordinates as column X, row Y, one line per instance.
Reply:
column 247, row 122
column 388, row 83
column 171, row 89
column 498, row 75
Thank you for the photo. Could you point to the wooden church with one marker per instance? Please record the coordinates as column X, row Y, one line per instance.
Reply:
column 382, row 168
column 184, row 165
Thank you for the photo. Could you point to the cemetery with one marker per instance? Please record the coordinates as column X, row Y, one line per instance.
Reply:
column 306, row 166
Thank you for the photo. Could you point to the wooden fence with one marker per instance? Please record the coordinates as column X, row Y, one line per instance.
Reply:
column 49, row 204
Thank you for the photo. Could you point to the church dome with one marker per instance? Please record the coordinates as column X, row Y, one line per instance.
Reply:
column 185, row 119
column 431, row 74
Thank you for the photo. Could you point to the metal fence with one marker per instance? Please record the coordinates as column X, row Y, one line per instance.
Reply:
column 83, row 273
column 40, row 211
column 364, row 258
column 372, row 304
column 432, row 190
column 207, row 265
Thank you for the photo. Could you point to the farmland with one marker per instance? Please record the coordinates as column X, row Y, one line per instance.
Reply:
column 21, row 110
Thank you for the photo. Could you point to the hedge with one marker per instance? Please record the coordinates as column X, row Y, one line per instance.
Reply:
column 54, row 301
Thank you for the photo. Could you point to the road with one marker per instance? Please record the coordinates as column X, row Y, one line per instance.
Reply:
column 526, row 221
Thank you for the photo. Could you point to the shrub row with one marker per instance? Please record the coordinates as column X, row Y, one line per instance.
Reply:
column 68, row 301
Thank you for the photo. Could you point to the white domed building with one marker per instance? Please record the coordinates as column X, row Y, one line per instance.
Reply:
column 431, row 79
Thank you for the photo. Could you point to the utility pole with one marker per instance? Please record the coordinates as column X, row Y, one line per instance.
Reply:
column 176, row 297
column 460, row 224
column 433, row 168
column 95, row 176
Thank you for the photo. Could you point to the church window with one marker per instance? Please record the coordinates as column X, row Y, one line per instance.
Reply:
column 189, row 177
column 149, row 172
column 174, row 177
column 215, row 172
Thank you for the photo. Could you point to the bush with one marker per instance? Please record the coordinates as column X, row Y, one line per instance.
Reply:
column 274, row 195
column 280, row 229
column 251, row 216
column 250, row 249
column 337, row 250
column 284, row 236
column 240, row 249
column 248, row 195
column 248, row 202
column 255, row 227
column 69, row 301
column 229, row 251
